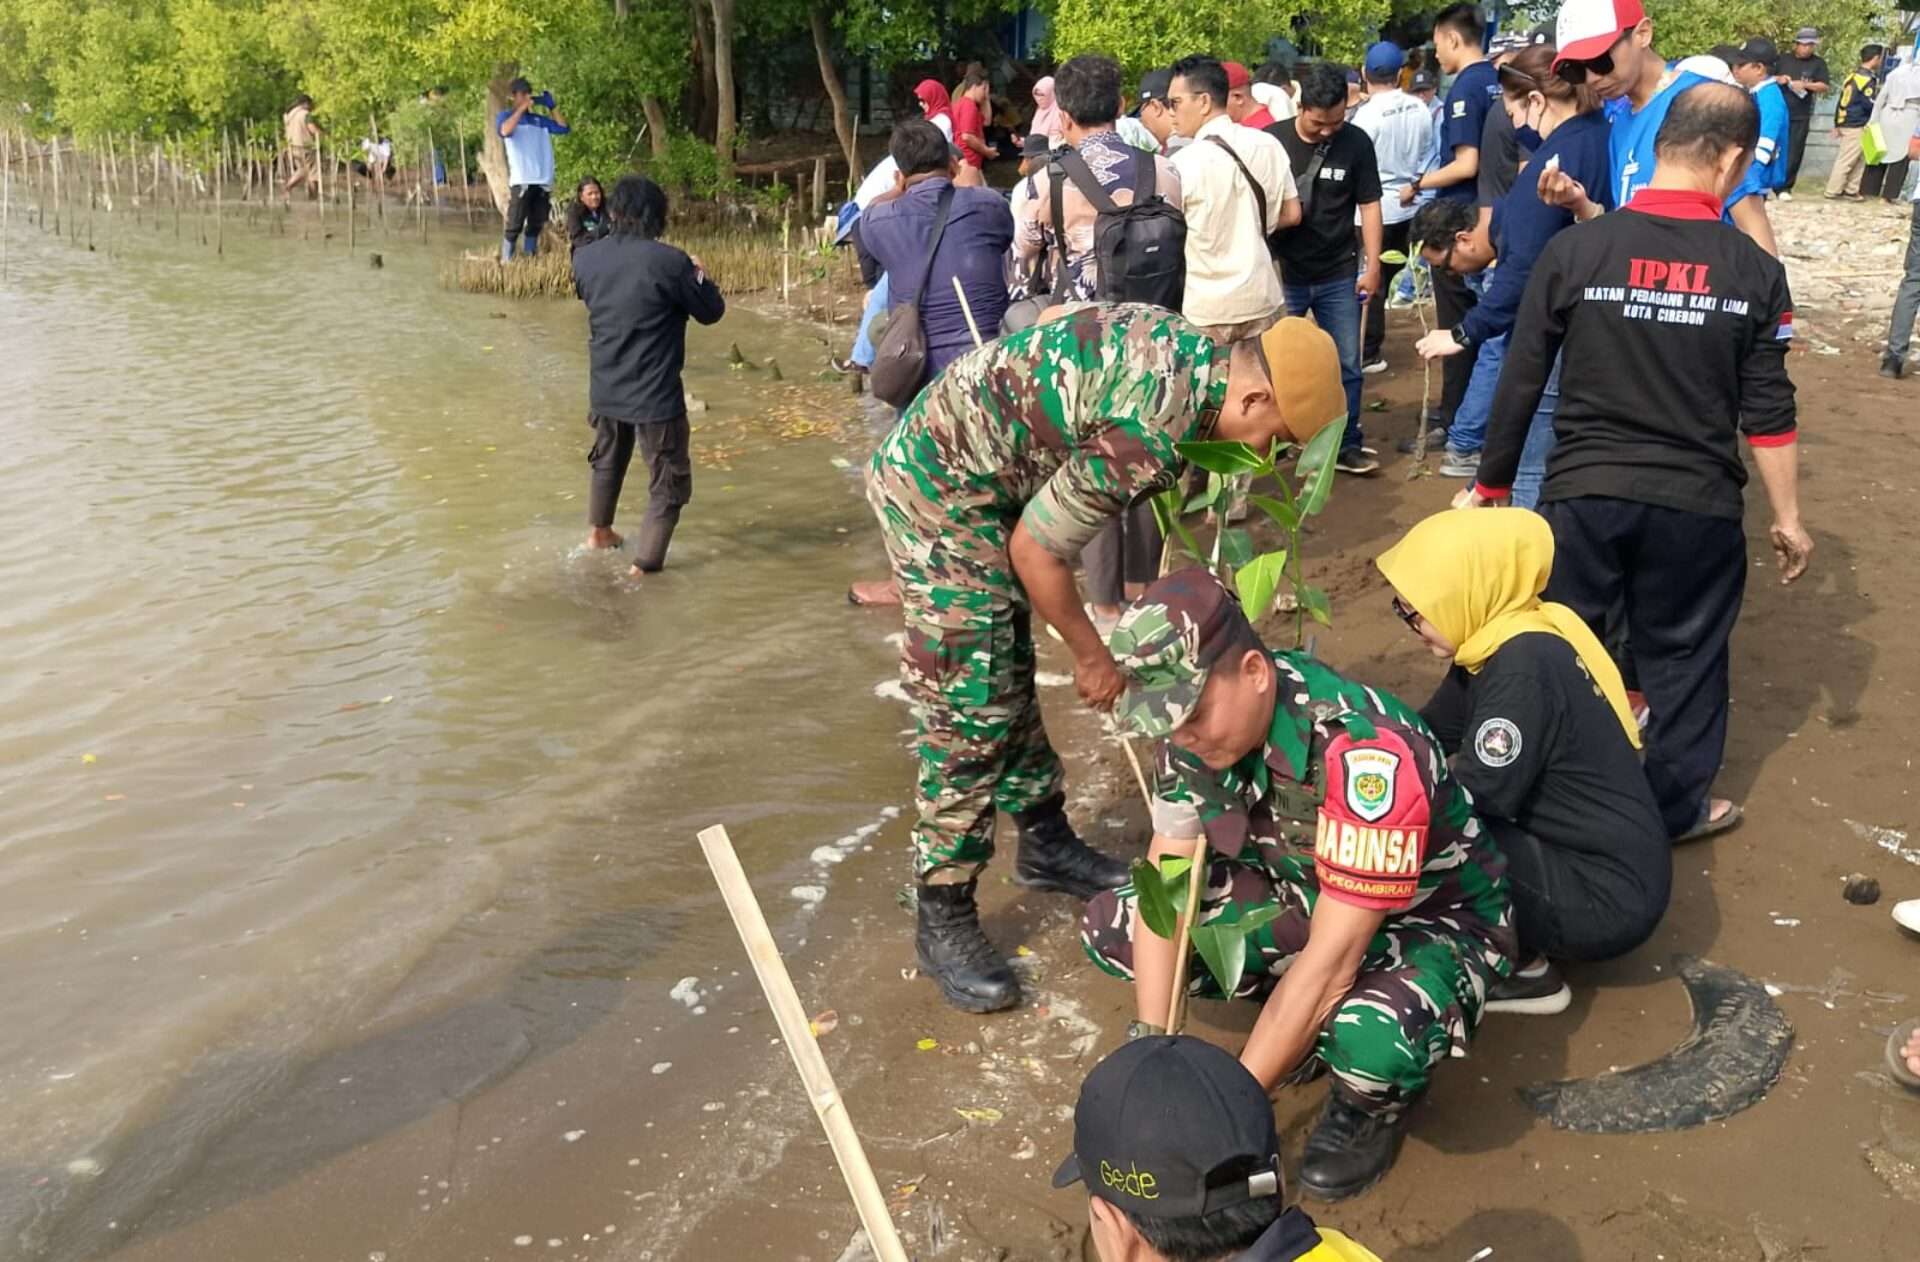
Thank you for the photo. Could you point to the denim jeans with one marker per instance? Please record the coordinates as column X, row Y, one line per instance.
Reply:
column 1906, row 300
column 1533, row 457
column 1468, row 433
column 877, row 303
column 1335, row 307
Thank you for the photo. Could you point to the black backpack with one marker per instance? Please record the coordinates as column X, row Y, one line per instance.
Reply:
column 1140, row 249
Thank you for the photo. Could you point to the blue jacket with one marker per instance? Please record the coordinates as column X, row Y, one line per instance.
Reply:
column 974, row 247
column 1523, row 224
column 1770, row 157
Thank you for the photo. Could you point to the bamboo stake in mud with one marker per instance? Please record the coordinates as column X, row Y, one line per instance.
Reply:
column 40, row 183
column 6, row 205
column 466, row 194
column 797, row 1032
column 350, row 212
column 1183, row 940
column 220, row 217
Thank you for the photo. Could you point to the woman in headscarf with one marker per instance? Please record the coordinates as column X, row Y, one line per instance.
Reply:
column 1046, row 114
column 1537, row 725
column 935, row 105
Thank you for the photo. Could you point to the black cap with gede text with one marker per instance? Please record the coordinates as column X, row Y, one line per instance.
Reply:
column 1173, row 1127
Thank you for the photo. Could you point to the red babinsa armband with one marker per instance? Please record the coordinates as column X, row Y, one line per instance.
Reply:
column 1374, row 817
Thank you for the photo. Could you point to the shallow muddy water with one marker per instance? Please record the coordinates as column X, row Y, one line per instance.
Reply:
column 335, row 781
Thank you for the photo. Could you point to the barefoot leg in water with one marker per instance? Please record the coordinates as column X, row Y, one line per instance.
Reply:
column 602, row 537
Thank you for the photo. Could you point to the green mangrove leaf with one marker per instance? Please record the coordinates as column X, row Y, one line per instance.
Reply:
column 1281, row 511
column 1314, row 601
column 1224, row 457
column 1258, row 581
column 1316, row 467
column 1224, row 948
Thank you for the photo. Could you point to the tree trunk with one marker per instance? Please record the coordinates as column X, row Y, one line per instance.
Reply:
column 725, row 121
column 700, row 88
column 836, row 90
column 656, row 124
column 620, row 10
column 493, row 150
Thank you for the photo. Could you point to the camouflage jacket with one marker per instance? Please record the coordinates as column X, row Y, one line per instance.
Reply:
column 1059, row 426
column 1350, row 795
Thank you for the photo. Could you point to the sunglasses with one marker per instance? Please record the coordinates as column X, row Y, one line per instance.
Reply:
column 1576, row 72
column 1406, row 613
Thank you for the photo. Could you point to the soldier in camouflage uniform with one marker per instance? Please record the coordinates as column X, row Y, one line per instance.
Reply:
column 993, row 480
column 1332, row 801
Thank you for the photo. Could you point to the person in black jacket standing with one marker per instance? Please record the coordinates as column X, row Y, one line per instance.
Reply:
column 1675, row 328
column 639, row 293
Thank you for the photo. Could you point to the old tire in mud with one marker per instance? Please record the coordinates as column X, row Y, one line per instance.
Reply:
column 1731, row 1059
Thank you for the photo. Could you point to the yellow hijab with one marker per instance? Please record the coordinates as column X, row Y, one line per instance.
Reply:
column 1477, row 575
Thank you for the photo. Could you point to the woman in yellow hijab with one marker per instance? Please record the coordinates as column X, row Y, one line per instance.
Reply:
column 1536, row 722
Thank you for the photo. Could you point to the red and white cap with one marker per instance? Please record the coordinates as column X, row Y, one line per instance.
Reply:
column 1587, row 28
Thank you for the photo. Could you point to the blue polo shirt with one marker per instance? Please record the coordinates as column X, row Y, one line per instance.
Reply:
column 1473, row 93
column 530, row 148
column 1631, row 147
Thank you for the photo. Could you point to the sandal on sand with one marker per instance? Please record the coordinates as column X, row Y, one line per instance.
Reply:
column 869, row 594
column 1708, row 826
column 1896, row 1054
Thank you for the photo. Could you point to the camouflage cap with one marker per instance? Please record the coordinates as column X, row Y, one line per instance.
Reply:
column 1165, row 643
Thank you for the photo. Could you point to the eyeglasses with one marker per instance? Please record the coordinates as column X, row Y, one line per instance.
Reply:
column 1576, row 72
column 1406, row 613
column 1445, row 261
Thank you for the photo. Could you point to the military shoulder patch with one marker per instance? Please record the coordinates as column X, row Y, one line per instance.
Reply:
column 1497, row 743
column 1370, row 782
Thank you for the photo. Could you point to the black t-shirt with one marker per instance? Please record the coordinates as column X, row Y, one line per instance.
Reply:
column 1322, row 245
column 1500, row 156
column 1533, row 739
column 1812, row 69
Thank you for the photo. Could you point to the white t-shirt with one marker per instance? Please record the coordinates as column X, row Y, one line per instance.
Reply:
column 1401, row 128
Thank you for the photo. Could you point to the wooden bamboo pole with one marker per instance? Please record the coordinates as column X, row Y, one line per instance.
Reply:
column 350, row 212
column 466, row 195
column 797, row 1032
column 173, row 170
column 6, row 204
column 1183, row 940
column 40, row 183
column 56, row 186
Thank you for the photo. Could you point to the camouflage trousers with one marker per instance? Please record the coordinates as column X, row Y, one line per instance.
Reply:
column 1419, row 995
column 967, row 667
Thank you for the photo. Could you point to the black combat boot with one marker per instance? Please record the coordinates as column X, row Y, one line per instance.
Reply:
column 1349, row 1151
column 954, row 951
column 1052, row 856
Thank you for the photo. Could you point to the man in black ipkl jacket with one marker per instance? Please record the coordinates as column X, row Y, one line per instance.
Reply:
column 1675, row 329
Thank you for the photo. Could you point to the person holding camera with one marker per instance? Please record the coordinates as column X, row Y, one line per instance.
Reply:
column 528, row 138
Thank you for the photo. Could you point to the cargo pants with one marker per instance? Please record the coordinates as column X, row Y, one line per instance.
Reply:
column 967, row 667
column 1422, row 985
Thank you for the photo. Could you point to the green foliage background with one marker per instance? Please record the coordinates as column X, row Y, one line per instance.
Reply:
column 156, row 68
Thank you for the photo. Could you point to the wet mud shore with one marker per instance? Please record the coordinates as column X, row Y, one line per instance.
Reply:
column 619, row 1136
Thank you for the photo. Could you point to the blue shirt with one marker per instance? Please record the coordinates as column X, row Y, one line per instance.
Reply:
column 529, row 149
column 1634, row 132
column 973, row 248
column 1770, row 152
column 1473, row 93
column 1523, row 224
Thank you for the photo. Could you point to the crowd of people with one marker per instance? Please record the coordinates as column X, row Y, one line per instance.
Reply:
column 1614, row 328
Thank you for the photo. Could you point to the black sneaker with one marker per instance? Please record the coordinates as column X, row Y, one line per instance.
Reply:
column 1892, row 366
column 1357, row 462
column 1537, row 990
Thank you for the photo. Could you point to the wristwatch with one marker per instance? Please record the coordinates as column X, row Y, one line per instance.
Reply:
column 1143, row 1029
column 1460, row 338
column 1417, row 179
